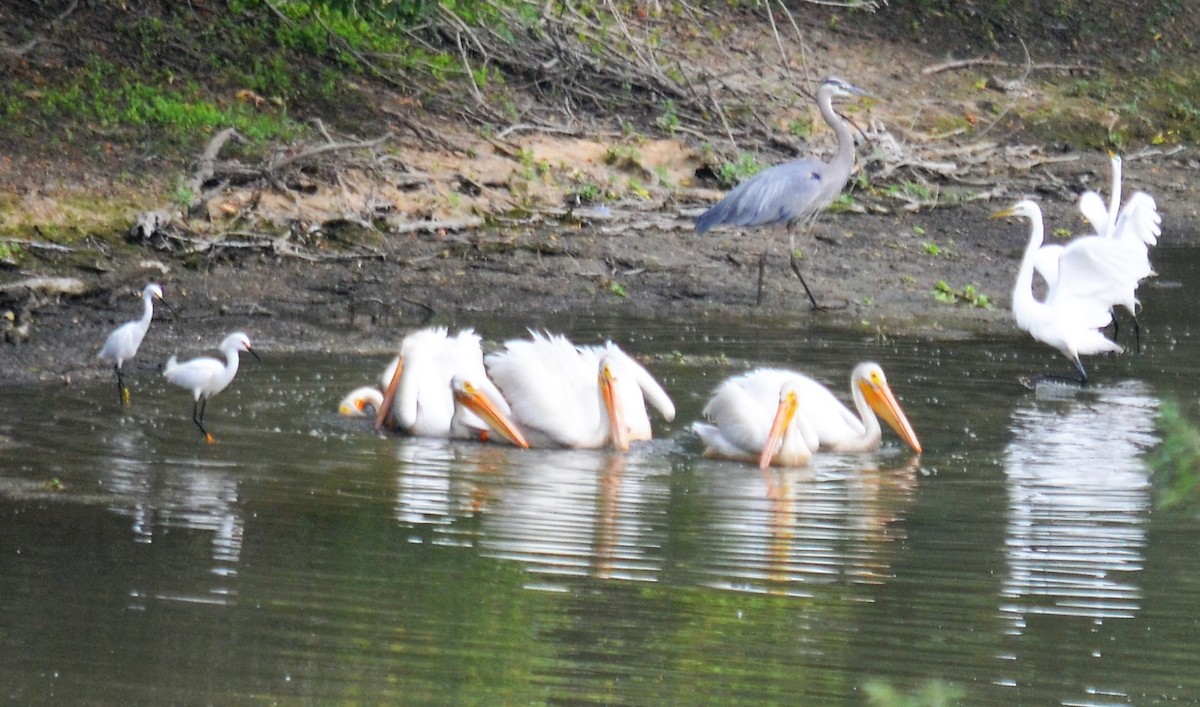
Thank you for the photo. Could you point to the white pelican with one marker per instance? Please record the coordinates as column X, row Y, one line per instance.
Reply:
column 580, row 398
column 753, row 417
column 1094, row 275
column 361, row 402
column 440, row 389
column 741, row 409
column 122, row 344
column 206, row 377
column 367, row 401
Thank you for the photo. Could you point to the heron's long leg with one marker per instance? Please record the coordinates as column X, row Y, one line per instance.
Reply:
column 795, row 263
column 762, row 270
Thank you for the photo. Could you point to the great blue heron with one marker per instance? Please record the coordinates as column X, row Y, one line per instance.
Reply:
column 122, row 344
column 792, row 192
column 1094, row 274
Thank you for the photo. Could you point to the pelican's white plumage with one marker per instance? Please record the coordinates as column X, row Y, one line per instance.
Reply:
column 123, row 343
column 746, row 412
column 577, row 397
column 206, row 377
column 440, row 388
column 743, row 408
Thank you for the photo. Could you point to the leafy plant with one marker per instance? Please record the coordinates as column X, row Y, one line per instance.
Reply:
column 969, row 295
column 931, row 248
column 733, row 173
column 1175, row 464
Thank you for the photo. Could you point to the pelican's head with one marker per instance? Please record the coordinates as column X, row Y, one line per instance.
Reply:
column 613, row 404
column 361, row 402
column 789, row 403
column 473, row 398
column 868, row 378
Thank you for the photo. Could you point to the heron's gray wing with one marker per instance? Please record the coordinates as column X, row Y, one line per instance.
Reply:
column 782, row 194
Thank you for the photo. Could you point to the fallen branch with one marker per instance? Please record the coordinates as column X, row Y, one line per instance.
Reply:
column 966, row 63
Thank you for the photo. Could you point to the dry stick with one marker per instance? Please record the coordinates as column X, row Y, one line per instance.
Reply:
column 778, row 41
column 37, row 38
column 800, row 39
column 1013, row 101
column 322, row 149
column 964, row 63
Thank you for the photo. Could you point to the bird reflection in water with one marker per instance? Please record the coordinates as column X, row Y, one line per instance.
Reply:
column 831, row 523
column 1079, row 501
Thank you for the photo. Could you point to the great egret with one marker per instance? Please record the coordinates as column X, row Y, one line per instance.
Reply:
column 1093, row 276
column 739, row 407
column 440, row 389
column 1137, row 222
column 576, row 397
column 206, row 377
column 792, row 192
column 122, row 344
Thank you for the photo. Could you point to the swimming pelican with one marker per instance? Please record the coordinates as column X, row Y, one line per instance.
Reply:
column 576, row 397
column 753, row 417
column 824, row 424
column 122, row 344
column 361, row 402
column 367, row 401
column 1093, row 276
column 206, row 377
column 440, row 389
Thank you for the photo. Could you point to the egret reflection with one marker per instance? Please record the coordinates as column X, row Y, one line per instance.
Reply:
column 1079, row 501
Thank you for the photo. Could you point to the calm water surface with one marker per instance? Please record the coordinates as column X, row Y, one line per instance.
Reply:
column 304, row 558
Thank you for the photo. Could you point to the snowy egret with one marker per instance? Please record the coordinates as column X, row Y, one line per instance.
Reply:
column 740, row 412
column 576, row 397
column 792, row 192
column 122, row 344
column 206, row 377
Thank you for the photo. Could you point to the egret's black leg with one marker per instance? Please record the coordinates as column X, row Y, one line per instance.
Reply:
column 122, row 391
column 198, row 418
column 1137, row 334
column 1083, row 379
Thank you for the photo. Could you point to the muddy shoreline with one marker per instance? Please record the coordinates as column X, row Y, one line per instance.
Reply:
column 876, row 273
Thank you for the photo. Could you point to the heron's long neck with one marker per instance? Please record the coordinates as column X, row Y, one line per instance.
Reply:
column 1023, row 289
column 843, row 161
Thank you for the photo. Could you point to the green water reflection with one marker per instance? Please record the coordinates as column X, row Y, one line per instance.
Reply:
column 307, row 559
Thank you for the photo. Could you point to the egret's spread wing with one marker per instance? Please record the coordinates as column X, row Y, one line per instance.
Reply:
column 1139, row 219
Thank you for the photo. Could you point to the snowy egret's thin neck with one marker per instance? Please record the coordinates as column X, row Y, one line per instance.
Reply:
column 1023, row 289
column 1114, row 197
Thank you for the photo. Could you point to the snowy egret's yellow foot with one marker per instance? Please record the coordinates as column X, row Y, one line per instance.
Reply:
column 209, row 438
column 125, row 398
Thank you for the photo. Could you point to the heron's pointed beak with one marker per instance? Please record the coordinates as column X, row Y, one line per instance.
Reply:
column 616, row 411
column 884, row 403
column 788, row 404
column 383, row 414
column 482, row 405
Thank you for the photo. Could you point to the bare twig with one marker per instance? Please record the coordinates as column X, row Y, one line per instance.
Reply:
column 1029, row 66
